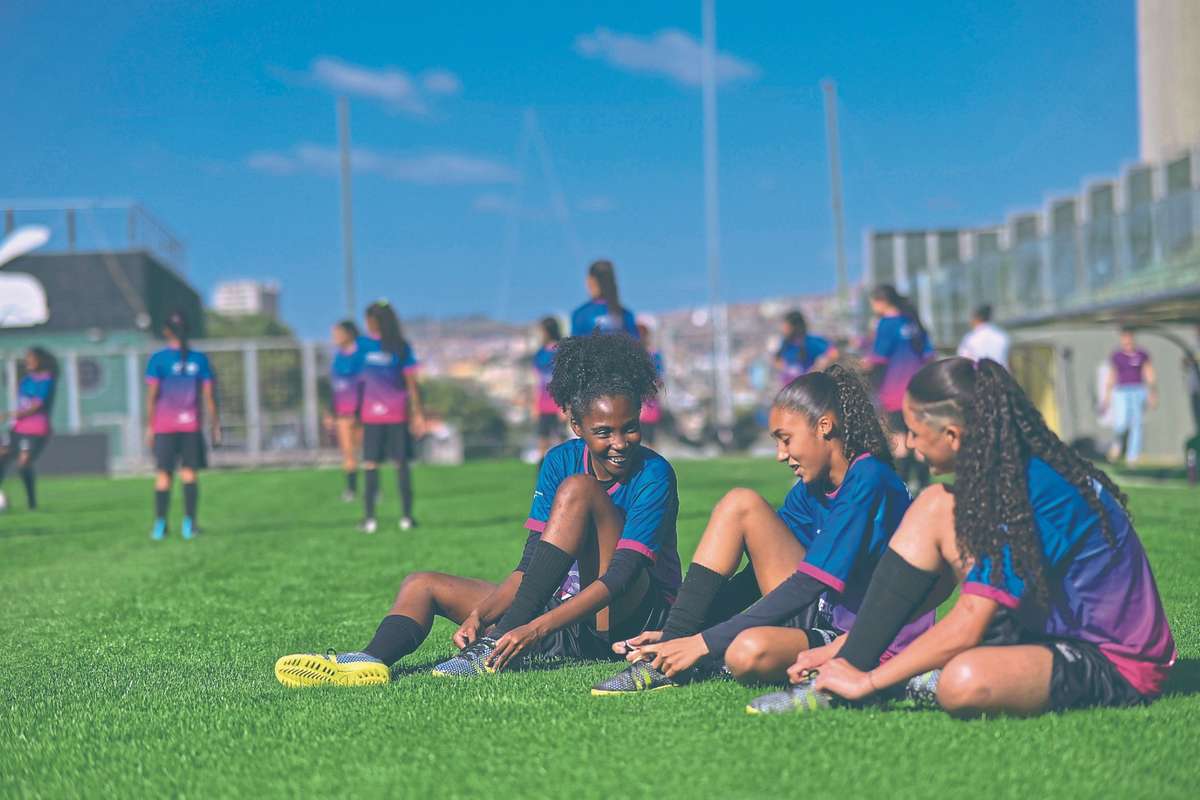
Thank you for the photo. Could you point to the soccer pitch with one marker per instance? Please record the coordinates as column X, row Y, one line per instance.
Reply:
column 133, row 668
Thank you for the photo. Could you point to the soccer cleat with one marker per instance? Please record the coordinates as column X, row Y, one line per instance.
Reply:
column 331, row 669
column 188, row 529
column 368, row 525
column 470, row 662
column 637, row 677
column 801, row 698
column 348, row 496
column 159, row 532
column 921, row 690
column 407, row 523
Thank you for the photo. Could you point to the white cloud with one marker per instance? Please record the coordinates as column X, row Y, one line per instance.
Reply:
column 492, row 203
column 596, row 204
column 430, row 168
column 393, row 87
column 670, row 52
column 440, row 81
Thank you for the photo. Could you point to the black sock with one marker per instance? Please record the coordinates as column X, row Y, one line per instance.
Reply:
column 404, row 484
column 897, row 590
column 162, row 501
column 191, row 498
column 30, row 487
column 547, row 567
column 371, row 490
column 691, row 604
column 396, row 637
column 352, row 481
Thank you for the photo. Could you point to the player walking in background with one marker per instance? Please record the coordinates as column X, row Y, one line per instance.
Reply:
column 545, row 410
column 901, row 346
column 1131, row 389
column 178, row 380
column 345, row 395
column 600, row 556
column 391, row 410
column 603, row 313
column 1058, row 609
column 29, row 427
column 652, row 408
column 985, row 340
column 800, row 352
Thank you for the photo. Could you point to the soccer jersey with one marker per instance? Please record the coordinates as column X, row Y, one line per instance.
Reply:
column 344, row 377
column 1098, row 593
column 543, row 367
column 36, row 391
column 651, row 410
column 180, row 380
column 1129, row 367
column 903, row 349
column 845, row 533
column 799, row 357
column 648, row 497
column 384, row 391
column 593, row 316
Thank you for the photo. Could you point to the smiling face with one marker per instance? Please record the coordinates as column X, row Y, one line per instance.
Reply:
column 936, row 440
column 613, row 435
column 803, row 447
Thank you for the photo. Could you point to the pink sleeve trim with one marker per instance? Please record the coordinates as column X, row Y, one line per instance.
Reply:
column 630, row 544
column 824, row 577
column 991, row 593
column 412, row 370
column 872, row 358
column 535, row 525
column 151, row 381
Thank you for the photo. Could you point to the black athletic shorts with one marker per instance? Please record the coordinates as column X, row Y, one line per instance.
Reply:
column 27, row 443
column 386, row 442
column 184, row 449
column 549, row 425
column 741, row 591
column 1080, row 677
column 581, row 641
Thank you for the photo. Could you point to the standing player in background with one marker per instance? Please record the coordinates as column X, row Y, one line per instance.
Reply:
column 800, row 352
column 30, row 427
column 178, row 378
column 391, row 410
column 985, row 340
column 545, row 410
column 1131, row 389
column 345, row 388
column 901, row 347
column 603, row 313
column 651, row 409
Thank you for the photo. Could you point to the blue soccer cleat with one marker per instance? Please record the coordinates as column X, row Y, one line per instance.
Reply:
column 921, row 690
column 159, row 532
column 331, row 669
column 188, row 529
column 637, row 677
column 799, row 699
column 470, row 662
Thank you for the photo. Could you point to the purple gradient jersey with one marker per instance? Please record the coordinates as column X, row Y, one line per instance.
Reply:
column 593, row 316
column 799, row 357
column 648, row 497
column 1098, row 593
column 35, row 392
column 384, row 391
column 543, row 366
column 344, row 379
column 1130, row 366
column 845, row 533
column 651, row 410
column 903, row 349
column 180, row 381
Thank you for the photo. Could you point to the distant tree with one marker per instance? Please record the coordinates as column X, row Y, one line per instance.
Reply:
column 244, row 326
column 466, row 405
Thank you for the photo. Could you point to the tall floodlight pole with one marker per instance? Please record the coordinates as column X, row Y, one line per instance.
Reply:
column 718, row 313
column 343, row 116
column 835, row 193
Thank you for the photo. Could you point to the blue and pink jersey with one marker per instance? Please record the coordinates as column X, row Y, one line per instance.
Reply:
column 901, row 347
column 845, row 533
column 648, row 497
column 1098, row 593
column 543, row 366
column 798, row 357
column 36, row 394
column 651, row 410
column 594, row 316
column 180, row 380
column 344, row 378
column 384, row 390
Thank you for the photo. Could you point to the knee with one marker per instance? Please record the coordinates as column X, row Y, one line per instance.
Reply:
column 961, row 691
column 418, row 583
column 738, row 501
column 575, row 489
column 23, row 461
column 187, row 475
column 747, row 655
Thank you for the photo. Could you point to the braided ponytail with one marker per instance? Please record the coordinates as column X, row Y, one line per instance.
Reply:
column 839, row 392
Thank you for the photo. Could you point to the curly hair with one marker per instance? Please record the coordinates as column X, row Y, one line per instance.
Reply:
column 1002, row 430
column 600, row 365
column 839, row 392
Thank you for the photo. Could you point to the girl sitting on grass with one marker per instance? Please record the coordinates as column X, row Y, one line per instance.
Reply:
column 603, row 504
column 1058, row 608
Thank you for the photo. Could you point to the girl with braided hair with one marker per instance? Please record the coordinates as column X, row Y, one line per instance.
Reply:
column 1058, row 608
column 810, row 561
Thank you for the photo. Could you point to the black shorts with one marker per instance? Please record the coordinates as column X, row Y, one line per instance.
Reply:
column 26, row 443
column 1080, row 677
column 741, row 591
column 386, row 442
column 817, row 621
column 549, row 425
column 184, row 449
column 581, row 641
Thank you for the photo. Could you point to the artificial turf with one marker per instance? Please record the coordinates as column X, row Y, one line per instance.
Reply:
column 133, row 668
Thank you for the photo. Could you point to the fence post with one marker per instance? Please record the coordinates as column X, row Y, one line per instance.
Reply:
column 74, row 413
column 10, row 380
column 253, row 415
column 308, row 377
column 134, row 440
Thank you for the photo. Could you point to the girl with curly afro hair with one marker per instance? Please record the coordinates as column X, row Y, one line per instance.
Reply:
column 1058, row 607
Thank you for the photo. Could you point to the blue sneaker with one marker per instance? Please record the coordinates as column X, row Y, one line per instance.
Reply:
column 470, row 662
column 160, row 530
column 188, row 530
column 799, row 699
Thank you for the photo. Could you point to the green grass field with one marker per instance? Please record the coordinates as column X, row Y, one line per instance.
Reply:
column 132, row 668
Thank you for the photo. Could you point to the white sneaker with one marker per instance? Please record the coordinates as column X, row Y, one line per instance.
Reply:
column 3, row 502
column 348, row 496
column 369, row 525
column 407, row 523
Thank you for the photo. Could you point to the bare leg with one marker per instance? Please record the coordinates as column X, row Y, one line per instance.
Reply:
column 993, row 680
column 349, row 436
column 762, row 655
column 423, row 595
column 744, row 522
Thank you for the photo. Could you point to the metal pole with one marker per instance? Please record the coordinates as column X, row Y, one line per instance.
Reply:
column 343, row 115
column 308, row 372
column 722, row 389
column 253, row 412
column 829, row 87
column 74, row 407
column 134, row 437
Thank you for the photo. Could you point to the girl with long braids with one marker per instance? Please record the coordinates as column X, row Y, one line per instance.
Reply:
column 603, row 312
column 600, row 559
column 30, row 421
column 810, row 561
column 1058, row 608
column 390, row 410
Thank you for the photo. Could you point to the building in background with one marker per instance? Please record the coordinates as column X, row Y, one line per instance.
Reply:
column 247, row 297
column 1168, row 77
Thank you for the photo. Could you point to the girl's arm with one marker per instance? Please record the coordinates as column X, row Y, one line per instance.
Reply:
column 34, row 407
column 152, row 390
column 414, row 398
column 1151, row 378
column 210, row 404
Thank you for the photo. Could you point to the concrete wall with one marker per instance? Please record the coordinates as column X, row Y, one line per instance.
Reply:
column 1168, row 76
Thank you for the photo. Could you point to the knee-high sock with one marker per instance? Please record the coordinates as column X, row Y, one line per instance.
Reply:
column 695, row 596
column 547, row 568
column 404, row 484
column 191, row 499
column 352, row 481
column 28, row 479
column 162, row 501
column 371, row 491
column 897, row 590
column 396, row 637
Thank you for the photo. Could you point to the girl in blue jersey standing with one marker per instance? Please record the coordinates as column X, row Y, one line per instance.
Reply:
column 603, row 313
column 345, row 387
column 652, row 408
column 30, row 428
column 800, row 352
column 545, row 410
column 600, row 560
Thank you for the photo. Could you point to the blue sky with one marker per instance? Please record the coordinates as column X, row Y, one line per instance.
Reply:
column 219, row 117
